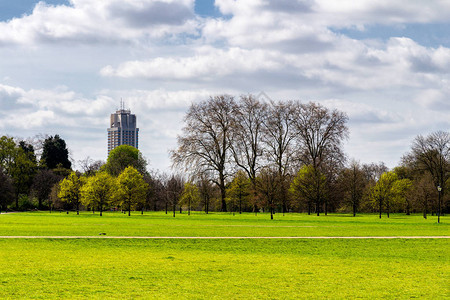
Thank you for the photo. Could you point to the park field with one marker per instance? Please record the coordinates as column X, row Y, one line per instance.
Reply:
column 275, row 268
column 199, row 224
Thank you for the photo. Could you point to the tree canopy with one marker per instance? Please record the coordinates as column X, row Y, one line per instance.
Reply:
column 55, row 153
column 122, row 157
column 98, row 191
column 131, row 188
column 70, row 189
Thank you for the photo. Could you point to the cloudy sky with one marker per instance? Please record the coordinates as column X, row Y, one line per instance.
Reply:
column 65, row 65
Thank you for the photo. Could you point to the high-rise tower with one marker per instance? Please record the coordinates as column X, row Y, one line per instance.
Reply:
column 123, row 129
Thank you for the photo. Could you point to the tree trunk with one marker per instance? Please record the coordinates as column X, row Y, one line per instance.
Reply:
column 17, row 201
column 318, row 208
column 78, row 208
column 174, row 210
column 222, row 191
column 380, row 207
column 101, row 210
column 425, row 210
column 189, row 207
column 224, row 204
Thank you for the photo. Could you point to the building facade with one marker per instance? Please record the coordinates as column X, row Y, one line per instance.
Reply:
column 123, row 130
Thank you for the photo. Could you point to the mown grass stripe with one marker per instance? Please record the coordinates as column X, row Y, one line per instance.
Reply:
column 224, row 237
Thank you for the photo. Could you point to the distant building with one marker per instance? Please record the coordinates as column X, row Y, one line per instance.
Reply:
column 123, row 129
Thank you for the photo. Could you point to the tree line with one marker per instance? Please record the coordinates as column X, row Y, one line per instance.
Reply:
column 234, row 154
column 288, row 156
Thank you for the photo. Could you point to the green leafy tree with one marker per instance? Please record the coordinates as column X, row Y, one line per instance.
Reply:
column 98, row 191
column 309, row 187
column 6, row 190
column 406, row 174
column 23, row 170
column 122, row 157
column 70, row 190
column 401, row 193
column 190, row 195
column 55, row 153
column 131, row 188
column 384, row 192
column 239, row 190
column 7, row 153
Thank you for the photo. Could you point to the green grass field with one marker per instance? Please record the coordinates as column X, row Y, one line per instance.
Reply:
column 222, row 269
column 217, row 224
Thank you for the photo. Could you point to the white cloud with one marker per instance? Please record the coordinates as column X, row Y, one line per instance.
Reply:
column 207, row 64
column 94, row 22
column 65, row 68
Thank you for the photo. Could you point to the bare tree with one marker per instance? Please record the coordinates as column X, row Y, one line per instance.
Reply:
column 353, row 182
column 90, row 166
column 320, row 133
column 206, row 190
column 432, row 154
column 267, row 184
column 247, row 147
column 175, row 187
column 206, row 140
column 278, row 137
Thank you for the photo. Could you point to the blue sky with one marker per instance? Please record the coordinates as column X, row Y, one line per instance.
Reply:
column 64, row 66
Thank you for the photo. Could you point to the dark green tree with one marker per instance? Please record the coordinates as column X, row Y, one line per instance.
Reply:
column 43, row 182
column 6, row 190
column 23, row 170
column 55, row 153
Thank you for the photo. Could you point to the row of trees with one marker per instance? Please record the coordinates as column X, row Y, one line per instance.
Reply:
column 291, row 154
column 31, row 167
column 101, row 190
column 237, row 155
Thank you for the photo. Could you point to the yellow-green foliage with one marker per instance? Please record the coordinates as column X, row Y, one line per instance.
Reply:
column 98, row 191
column 309, row 186
column 190, row 195
column 70, row 189
column 131, row 188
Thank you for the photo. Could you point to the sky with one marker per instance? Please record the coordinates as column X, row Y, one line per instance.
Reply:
column 66, row 65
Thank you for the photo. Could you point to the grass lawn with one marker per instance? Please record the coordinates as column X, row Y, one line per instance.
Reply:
column 222, row 269
column 218, row 224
